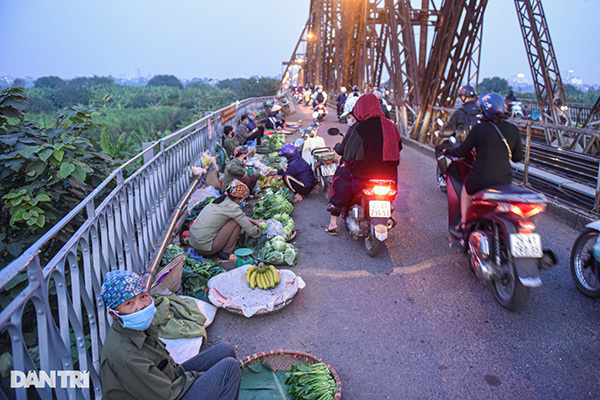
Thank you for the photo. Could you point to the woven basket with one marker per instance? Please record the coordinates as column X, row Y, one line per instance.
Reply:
column 171, row 282
column 284, row 359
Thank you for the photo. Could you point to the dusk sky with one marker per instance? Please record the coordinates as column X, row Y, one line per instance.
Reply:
column 238, row 38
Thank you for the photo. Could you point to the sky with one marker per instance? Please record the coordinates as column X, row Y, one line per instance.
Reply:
column 238, row 38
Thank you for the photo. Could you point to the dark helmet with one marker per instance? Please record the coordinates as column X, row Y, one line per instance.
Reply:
column 288, row 151
column 467, row 91
column 492, row 104
column 355, row 88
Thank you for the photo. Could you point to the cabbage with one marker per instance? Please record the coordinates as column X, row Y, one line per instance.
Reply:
column 274, row 257
column 279, row 246
column 290, row 254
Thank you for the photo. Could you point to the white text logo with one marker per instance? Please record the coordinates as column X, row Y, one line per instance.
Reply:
column 54, row 379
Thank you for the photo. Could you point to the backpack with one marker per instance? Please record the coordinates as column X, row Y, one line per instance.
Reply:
column 469, row 121
column 320, row 97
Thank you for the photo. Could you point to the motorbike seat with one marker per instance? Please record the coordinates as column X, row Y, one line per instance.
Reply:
column 509, row 193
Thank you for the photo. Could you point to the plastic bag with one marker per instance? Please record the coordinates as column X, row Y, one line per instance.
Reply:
column 199, row 196
column 274, row 228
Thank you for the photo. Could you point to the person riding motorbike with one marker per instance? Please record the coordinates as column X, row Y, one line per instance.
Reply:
column 372, row 151
column 355, row 91
column 384, row 106
column 496, row 142
column 341, row 100
column 319, row 96
column 459, row 125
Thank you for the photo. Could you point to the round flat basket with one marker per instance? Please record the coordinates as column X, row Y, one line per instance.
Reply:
column 284, row 359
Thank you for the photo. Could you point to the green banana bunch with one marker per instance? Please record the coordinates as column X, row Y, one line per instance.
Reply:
column 265, row 277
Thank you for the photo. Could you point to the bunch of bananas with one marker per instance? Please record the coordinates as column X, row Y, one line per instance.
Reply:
column 265, row 277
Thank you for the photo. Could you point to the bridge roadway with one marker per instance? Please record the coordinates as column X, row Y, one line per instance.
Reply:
column 415, row 323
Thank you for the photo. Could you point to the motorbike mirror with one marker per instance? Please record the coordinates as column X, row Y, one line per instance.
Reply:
column 333, row 132
column 315, row 115
column 439, row 122
column 452, row 140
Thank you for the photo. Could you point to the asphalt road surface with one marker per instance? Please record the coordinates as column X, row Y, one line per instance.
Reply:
column 414, row 322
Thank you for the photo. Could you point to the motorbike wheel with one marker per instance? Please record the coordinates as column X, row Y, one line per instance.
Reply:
column 510, row 292
column 584, row 267
column 371, row 244
column 441, row 181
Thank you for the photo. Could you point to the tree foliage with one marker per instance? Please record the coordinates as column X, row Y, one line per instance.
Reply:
column 93, row 81
column 45, row 173
column 252, row 87
column 494, row 85
column 49, row 82
column 165, row 80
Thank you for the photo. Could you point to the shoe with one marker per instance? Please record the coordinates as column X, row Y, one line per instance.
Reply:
column 332, row 232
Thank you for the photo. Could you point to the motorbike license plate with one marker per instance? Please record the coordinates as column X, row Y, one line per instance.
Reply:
column 380, row 209
column 328, row 169
column 526, row 245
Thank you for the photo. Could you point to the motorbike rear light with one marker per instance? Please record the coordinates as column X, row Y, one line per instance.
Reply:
column 527, row 209
column 379, row 191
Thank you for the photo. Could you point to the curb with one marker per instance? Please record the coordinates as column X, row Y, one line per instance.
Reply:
column 570, row 215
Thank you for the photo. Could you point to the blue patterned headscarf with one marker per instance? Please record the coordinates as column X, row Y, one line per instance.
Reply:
column 120, row 286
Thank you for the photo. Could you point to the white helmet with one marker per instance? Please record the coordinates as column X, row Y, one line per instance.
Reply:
column 343, row 89
column 349, row 106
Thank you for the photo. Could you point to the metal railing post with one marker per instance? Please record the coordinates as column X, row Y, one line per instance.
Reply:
column 527, row 153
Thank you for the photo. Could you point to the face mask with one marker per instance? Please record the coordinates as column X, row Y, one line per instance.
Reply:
column 278, row 115
column 350, row 120
column 139, row 320
column 250, row 117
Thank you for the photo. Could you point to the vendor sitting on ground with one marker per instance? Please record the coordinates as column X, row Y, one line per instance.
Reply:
column 243, row 135
column 135, row 364
column 298, row 176
column 275, row 122
column 216, row 229
column 235, row 169
column 229, row 143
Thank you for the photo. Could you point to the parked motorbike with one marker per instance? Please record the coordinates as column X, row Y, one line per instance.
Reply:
column 324, row 168
column 500, row 238
column 516, row 110
column 585, row 261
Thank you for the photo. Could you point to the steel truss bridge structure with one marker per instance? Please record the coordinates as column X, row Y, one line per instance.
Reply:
column 350, row 42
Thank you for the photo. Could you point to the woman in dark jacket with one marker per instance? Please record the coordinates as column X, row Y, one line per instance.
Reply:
column 372, row 151
column 297, row 176
column 496, row 142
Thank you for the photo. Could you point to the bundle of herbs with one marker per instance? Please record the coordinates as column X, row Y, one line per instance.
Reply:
column 310, row 382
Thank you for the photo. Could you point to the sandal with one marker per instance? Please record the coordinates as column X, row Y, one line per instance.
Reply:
column 332, row 232
column 461, row 227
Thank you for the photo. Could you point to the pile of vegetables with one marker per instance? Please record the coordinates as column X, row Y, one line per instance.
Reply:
column 310, row 382
column 287, row 222
column 196, row 273
column 271, row 205
column 275, row 141
column 278, row 251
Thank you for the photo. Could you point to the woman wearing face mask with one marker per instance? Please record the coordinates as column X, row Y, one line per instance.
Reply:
column 235, row 169
column 216, row 229
column 243, row 134
column 275, row 122
column 135, row 364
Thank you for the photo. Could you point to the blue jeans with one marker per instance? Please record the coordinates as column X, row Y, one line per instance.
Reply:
column 222, row 374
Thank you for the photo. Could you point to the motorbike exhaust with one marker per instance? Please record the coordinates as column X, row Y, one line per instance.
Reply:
column 479, row 247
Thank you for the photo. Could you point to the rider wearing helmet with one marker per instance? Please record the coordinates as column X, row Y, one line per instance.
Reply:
column 355, row 91
column 297, row 176
column 379, row 94
column 459, row 124
column 341, row 100
column 319, row 96
column 496, row 142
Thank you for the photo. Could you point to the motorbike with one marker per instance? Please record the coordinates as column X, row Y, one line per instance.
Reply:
column 369, row 217
column 500, row 236
column 324, row 167
column 516, row 110
column 585, row 261
column 319, row 112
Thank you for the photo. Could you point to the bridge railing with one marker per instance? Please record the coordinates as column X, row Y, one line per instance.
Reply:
column 61, row 303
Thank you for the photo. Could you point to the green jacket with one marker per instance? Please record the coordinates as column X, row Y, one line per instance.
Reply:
column 229, row 144
column 134, row 365
column 234, row 169
column 212, row 218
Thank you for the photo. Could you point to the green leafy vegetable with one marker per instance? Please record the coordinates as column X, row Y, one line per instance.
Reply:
column 310, row 382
